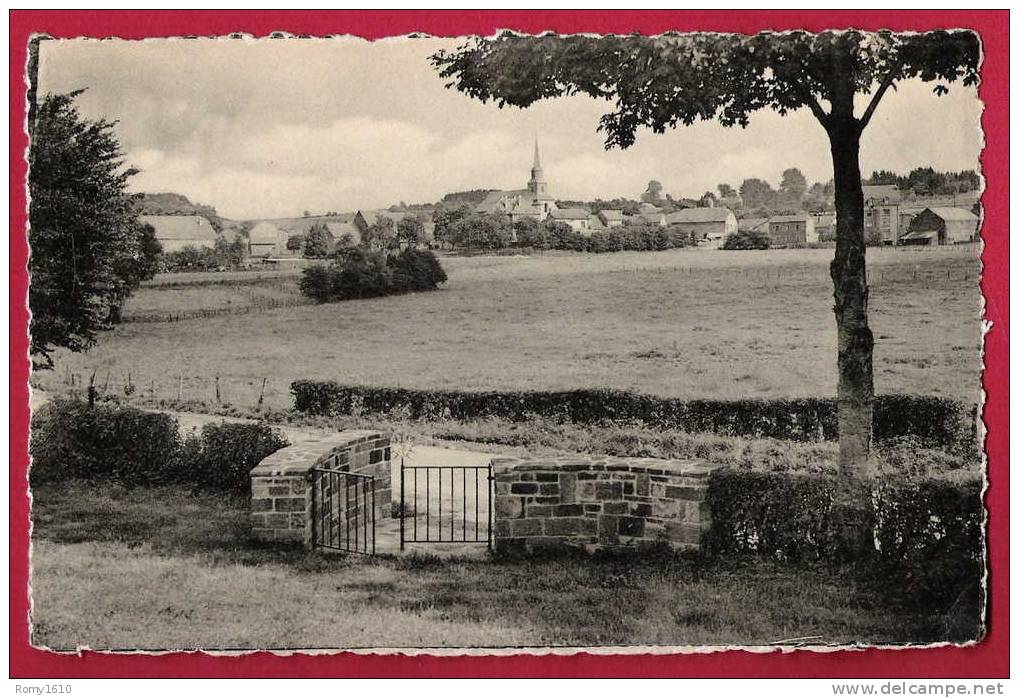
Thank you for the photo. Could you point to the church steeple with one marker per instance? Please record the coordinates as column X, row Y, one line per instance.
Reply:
column 537, row 185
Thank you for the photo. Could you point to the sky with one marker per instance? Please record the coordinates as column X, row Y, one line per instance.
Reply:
column 264, row 128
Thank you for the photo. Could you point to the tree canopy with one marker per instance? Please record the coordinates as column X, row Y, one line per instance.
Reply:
column 89, row 251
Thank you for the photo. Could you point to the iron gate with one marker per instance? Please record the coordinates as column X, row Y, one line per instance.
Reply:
column 343, row 511
column 445, row 504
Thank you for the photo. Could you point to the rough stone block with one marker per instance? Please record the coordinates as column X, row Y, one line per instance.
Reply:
column 508, row 507
column 539, row 511
column 261, row 505
column 631, row 526
column 608, row 490
column 548, row 489
column 681, row 532
column 277, row 520
column 567, row 488
column 570, row 527
column 689, row 493
column 526, row 527
column 608, row 529
column 565, row 510
column 618, row 508
column 642, row 485
column 547, row 477
column 290, row 504
column 501, row 528
column 524, row 488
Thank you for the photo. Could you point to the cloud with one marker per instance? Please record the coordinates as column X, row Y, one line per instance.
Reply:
column 276, row 127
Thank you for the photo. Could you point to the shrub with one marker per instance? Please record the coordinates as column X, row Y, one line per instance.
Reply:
column 747, row 240
column 928, row 532
column 70, row 440
column 929, row 421
column 134, row 447
column 360, row 273
column 228, row 451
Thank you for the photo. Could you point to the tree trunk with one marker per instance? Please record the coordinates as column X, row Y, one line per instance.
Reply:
column 852, row 514
column 855, row 340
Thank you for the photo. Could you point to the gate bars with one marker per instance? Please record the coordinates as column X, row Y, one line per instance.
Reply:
column 435, row 488
column 343, row 511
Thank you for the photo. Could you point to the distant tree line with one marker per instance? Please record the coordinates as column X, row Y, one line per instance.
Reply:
column 926, row 181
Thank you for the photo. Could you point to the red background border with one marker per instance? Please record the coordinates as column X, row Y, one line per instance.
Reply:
column 986, row 659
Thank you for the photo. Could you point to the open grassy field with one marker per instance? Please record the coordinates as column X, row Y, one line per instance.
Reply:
column 163, row 568
column 685, row 323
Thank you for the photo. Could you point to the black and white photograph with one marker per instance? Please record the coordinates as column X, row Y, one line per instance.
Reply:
column 508, row 342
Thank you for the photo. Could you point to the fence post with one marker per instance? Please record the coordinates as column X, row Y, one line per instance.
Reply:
column 92, row 391
column 402, row 509
column 217, row 390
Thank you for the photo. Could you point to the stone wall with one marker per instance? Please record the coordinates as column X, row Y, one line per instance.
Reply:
column 281, row 496
column 599, row 503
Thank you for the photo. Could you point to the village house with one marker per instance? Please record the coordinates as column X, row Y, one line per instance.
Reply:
column 177, row 232
column 711, row 225
column 824, row 224
column 532, row 202
column 267, row 240
column 610, row 217
column 580, row 219
column 942, row 226
column 792, row 230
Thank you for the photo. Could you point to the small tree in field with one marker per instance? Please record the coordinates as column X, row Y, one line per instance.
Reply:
column 676, row 79
column 89, row 251
column 410, row 231
column 318, row 242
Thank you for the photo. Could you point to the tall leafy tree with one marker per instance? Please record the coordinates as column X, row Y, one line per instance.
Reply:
column 676, row 79
column 792, row 188
column 89, row 251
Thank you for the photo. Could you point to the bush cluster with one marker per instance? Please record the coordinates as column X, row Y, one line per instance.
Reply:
column 360, row 273
column 747, row 240
column 928, row 421
column 70, row 440
column 223, row 255
column 927, row 531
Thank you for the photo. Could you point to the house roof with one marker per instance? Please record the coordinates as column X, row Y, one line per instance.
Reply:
column 611, row 214
column 920, row 235
column 338, row 230
column 715, row 214
column 180, row 227
column 570, row 214
column 947, row 213
column 791, row 218
column 492, row 199
column 889, row 192
column 752, row 223
column 264, row 233
column 649, row 208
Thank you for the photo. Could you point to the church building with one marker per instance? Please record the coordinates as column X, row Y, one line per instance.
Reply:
column 533, row 202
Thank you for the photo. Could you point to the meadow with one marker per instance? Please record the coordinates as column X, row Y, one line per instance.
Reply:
column 166, row 568
column 684, row 323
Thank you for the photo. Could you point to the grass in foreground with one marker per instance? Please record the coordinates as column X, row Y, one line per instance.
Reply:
column 163, row 568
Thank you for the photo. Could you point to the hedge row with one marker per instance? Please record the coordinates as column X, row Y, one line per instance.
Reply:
column 932, row 421
column 70, row 440
column 927, row 531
